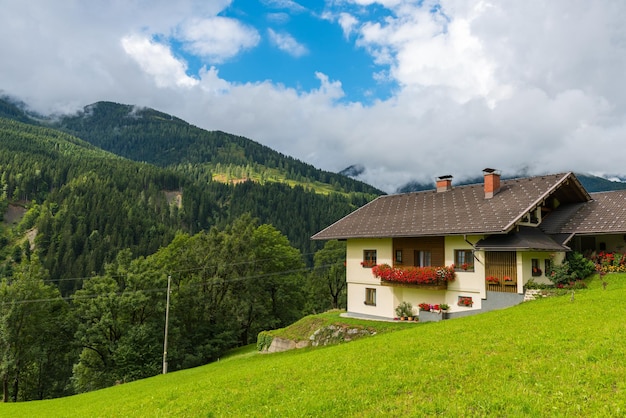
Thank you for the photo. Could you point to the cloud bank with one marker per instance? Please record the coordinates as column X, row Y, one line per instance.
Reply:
column 532, row 85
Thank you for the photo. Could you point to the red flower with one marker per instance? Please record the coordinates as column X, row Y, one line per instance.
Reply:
column 414, row 275
column 492, row 279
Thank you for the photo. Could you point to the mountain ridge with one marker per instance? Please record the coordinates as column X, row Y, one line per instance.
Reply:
column 88, row 203
column 592, row 183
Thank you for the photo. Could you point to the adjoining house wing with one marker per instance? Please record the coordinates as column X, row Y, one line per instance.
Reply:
column 604, row 214
column 455, row 211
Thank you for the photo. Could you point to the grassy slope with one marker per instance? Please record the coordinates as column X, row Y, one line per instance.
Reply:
column 547, row 357
column 276, row 176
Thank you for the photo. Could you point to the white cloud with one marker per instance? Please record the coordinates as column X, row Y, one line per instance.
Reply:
column 279, row 18
column 157, row 61
column 287, row 43
column 528, row 85
column 285, row 4
column 217, row 38
column 347, row 23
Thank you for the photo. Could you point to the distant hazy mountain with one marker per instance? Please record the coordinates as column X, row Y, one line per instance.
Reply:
column 590, row 182
column 353, row 171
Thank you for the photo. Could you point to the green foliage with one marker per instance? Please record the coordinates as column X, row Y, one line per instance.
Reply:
column 580, row 266
column 228, row 284
column 164, row 140
column 327, row 284
column 531, row 284
column 87, row 204
column 264, row 340
column 404, row 309
column 34, row 334
column 575, row 268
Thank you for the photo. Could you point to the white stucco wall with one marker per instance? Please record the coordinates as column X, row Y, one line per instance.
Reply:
column 524, row 266
column 359, row 278
column 467, row 283
column 385, row 300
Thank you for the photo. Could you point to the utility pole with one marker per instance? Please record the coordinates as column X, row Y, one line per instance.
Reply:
column 167, row 319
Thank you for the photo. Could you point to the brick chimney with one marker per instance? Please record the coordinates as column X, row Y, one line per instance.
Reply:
column 492, row 182
column 444, row 183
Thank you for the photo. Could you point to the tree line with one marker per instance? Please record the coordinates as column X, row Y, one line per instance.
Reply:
column 227, row 285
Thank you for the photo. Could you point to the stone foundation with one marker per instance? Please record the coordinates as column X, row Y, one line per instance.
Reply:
column 332, row 334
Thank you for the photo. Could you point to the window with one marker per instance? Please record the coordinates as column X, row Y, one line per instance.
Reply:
column 536, row 270
column 370, row 296
column 369, row 258
column 422, row 258
column 547, row 266
column 398, row 256
column 464, row 260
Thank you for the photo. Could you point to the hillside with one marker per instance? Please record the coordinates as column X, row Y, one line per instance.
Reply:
column 542, row 358
column 95, row 203
column 89, row 238
column 142, row 134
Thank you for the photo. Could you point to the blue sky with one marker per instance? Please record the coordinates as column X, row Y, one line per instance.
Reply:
column 296, row 40
column 409, row 89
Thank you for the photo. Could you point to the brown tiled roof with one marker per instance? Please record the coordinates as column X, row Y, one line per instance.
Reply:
column 462, row 210
column 525, row 238
column 605, row 213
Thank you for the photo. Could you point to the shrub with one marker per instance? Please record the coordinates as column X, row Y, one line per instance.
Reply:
column 264, row 340
column 576, row 268
column 404, row 309
column 531, row 284
column 580, row 266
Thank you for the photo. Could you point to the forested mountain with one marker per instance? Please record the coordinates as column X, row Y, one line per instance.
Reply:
column 89, row 238
column 88, row 204
column 142, row 134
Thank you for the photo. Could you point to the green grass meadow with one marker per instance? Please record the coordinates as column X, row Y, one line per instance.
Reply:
column 550, row 357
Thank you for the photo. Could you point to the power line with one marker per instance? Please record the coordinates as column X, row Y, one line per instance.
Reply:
column 173, row 271
column 78, row 297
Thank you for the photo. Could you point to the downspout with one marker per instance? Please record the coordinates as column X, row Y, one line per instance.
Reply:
column 473, row 247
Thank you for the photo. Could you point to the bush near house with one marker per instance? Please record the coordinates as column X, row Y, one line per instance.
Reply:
column 572, row 271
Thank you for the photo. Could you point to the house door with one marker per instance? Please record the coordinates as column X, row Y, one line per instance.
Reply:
column 503, row 266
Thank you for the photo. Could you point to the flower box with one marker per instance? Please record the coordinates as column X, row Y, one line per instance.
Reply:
column 431, row 286
column 435, row 278
column 430, row 316
column 492, row 280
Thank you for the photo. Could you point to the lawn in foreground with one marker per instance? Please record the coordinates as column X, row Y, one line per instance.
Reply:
column 548, row 357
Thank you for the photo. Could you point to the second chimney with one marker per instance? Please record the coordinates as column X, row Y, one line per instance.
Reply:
column 492, row 182
column 444, row 183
